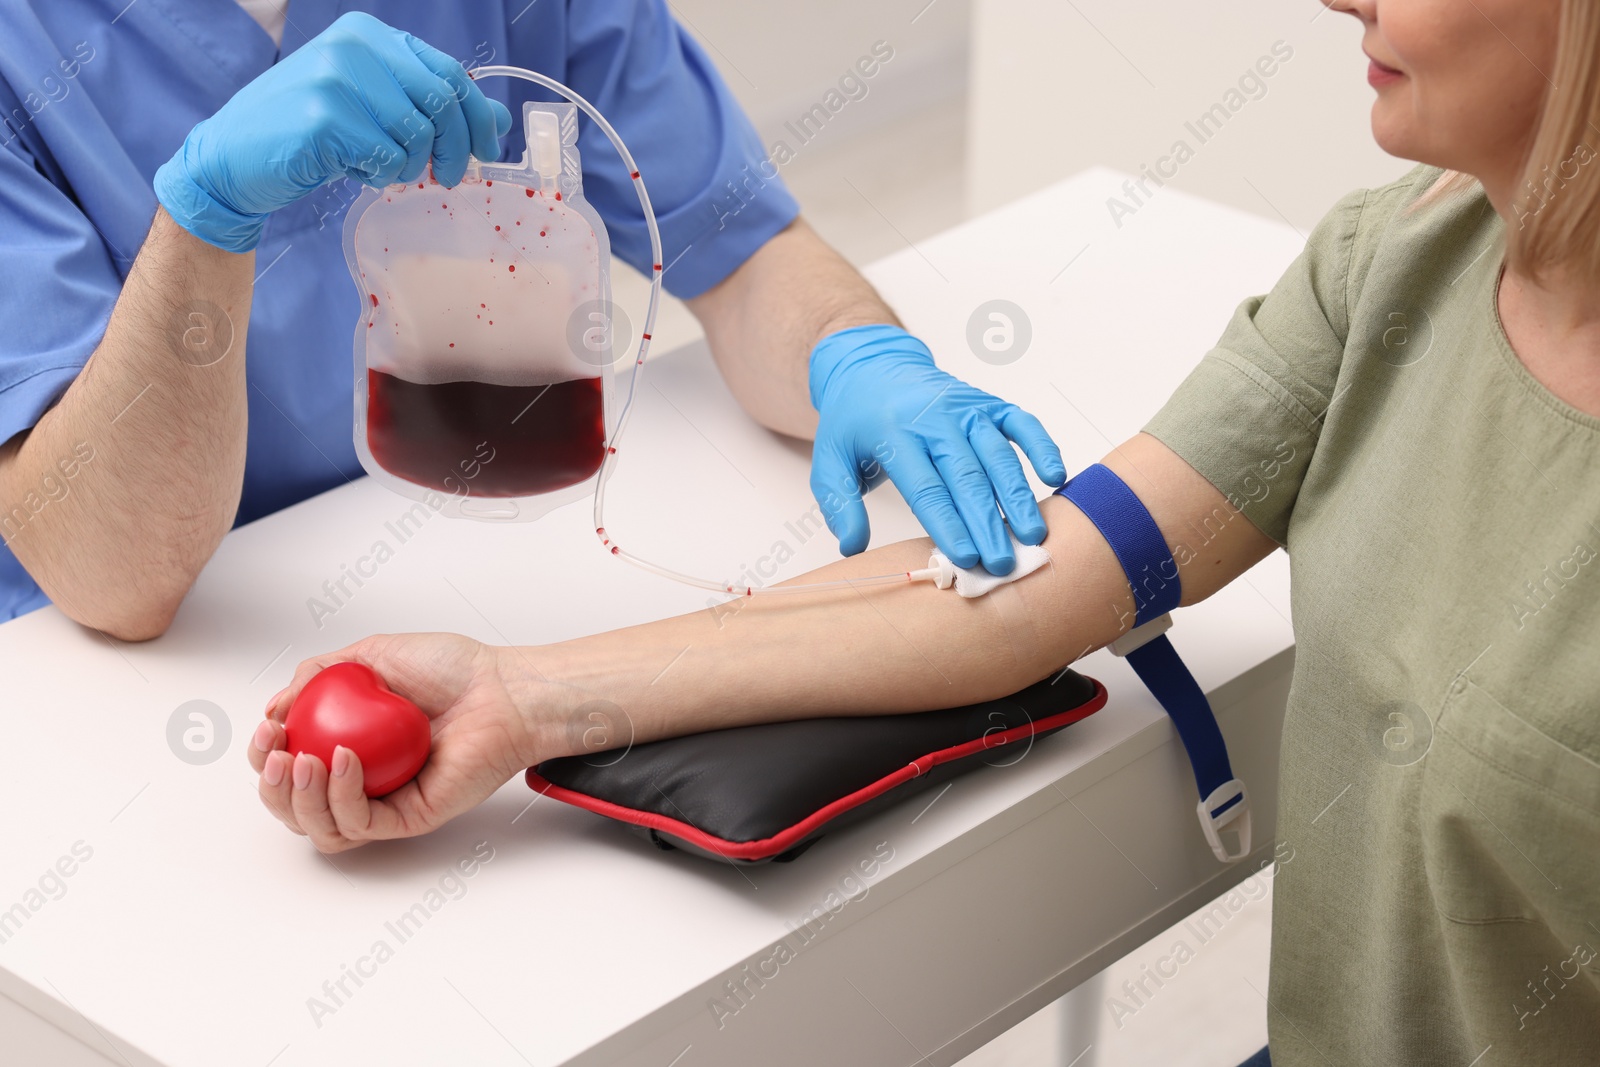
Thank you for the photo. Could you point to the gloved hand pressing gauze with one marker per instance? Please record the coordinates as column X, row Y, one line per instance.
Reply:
column 975, row 581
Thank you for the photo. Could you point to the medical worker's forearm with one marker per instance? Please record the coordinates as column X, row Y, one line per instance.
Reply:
column 159, row 412
column 891, row 648
column 763, row 320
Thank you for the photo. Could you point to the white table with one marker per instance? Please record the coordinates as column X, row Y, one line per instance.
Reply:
column 197, row 930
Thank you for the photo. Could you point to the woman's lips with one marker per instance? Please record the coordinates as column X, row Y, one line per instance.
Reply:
column 1379, row 75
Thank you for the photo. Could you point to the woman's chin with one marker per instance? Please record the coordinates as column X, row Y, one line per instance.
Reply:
column 1393, row 136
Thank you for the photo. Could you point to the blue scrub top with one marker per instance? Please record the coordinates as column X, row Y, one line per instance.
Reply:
column 96, row 94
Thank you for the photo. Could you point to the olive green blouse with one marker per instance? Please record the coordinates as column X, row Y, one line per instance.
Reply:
column 1438, row 894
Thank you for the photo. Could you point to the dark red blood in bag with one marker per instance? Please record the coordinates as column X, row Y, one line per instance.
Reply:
column 347, row 704
column 486, row 440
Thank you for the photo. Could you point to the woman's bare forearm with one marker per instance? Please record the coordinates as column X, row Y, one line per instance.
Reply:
column 763, row 320
column 893, row 648
column 137, row 471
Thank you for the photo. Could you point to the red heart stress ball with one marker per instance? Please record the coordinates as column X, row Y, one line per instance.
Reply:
column 347, row 704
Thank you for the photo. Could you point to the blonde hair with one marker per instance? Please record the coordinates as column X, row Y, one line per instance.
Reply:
column 1556, row 216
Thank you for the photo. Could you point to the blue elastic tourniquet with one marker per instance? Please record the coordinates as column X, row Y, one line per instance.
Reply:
column 1136, row 539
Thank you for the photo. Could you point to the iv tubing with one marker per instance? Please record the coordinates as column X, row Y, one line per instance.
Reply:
column 930, row 573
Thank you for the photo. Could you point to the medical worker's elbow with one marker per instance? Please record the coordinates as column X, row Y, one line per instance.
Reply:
column 138, row 631
column 142, row 603
column 136, row 603
column 146, row 627
column 131, row 621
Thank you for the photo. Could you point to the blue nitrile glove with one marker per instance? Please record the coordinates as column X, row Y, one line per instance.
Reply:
column 361, row 99
column 885, row 408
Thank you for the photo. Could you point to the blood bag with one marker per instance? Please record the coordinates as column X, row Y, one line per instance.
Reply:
column 483, row 355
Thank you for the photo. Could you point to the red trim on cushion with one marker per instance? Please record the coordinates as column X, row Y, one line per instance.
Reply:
column 787, row 839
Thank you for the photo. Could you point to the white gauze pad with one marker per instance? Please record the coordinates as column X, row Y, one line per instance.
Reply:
column 975, row 581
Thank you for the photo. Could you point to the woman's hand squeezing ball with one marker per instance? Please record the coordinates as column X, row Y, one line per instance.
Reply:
column 469, row 731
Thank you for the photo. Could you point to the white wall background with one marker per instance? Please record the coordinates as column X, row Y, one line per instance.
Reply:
column 780, row 58
column 889, row 167
column 1052, row 86
column 1058, row 85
